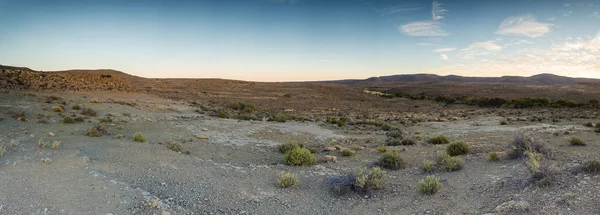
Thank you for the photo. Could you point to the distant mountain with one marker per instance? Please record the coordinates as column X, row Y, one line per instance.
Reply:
column 544, row 78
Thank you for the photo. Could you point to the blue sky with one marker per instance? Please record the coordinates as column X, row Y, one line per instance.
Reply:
column 291, row 40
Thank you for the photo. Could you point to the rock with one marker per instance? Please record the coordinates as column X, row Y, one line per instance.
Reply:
column 51, row 134
column 330, row 158
column 202, row 137
column 204, row 129
column 165, row 213
column 330, row 149
column 513, row 206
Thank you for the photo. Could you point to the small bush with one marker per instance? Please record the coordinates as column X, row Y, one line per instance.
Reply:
column 76, row 107
column 55, row 144
column 287, row 179
column 493, row 156
column 528, row 142
column 430, row 185
column 299, row 157
column 348, row 152
column 392, row 160
column 23, row 119
column 576, row 141
column 503, row 122
column 382, row 149
column 341, row 184
column 428, row 165
column 453, row 163
column 279, row 117
column 139, row 137
column 97, row 131
column 289, row 146
column 440, row 156
column 242, row 107
column 69, row 120
column 408, row 142
column 173, row 146
column 369, row 180
column 440, row 139
column 59, row 109
column 598, row 124
column 458, row 148
column 592, row 166
column 88, row 111
column 42, row 143
column 106, row 119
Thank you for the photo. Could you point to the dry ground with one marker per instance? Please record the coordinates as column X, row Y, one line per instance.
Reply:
column 235, row 170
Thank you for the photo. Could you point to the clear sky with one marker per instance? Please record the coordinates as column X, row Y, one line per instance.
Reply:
column 290, row 40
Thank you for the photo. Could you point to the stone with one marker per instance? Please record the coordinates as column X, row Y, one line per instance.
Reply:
column 330, row 149
column 202, row 137
column 513, row 206
column 204, row 129
column 51, row 134
column 330, row 158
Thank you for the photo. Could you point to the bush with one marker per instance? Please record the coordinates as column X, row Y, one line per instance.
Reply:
column 440, row 139
column 55, row 144
column 242, row 107
column 279, row 117
column 106, row 119
column 59, row 109
column 369, row 180
column 97, row 131
column 598, row 124
column 348, row 152
column 493, row 156
column 503, row 122
column 382, row 149
column 428, row 165
column 42, row 143
column 458, row 148
column 392, row 160
column 576, row 141
column 299, row 157
column 69, row 120
column 592, row 166
column 528, row 142
column 88, row 111
column 139, row 137
column 453, row 163
column 341, row 184
column 76, row 107
column 286, row 147
column 173, row 146
column 430, row 185
column 287, row 179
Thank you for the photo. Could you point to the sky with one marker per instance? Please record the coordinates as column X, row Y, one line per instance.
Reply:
column 303, row 40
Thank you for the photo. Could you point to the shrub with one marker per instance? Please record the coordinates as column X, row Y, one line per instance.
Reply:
column 348, row 152
column 503, row 122
column 299, row 157
column 391, row 160
column 453, row 163
column 106, row 119
column 23, row 118
column 42, row 143
column 458, row 148
column 382, row 149
column 76, row 107
column 440, row 139
column 97, row 131
column 428, row 165
column 493, row 156
column 395, row 134
column 95, row 100
column 440, row 156
column 369, row 180
column 286, row 147
column 59, row 109
column 598, row 124
column 528, row 142
column 287, row 179
column 408, row 142
column 592, row 166
column 88, row 111
column 2, row 150
column 173, row 146
column 55, row 144
column 279, row 117
column 430, row 185
column 341, row 184
column 139, row 137
column 242, row 107
column 576, row 141
column 68, row 120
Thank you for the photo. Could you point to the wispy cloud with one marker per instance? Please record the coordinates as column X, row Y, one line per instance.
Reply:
column 444, row 50
column 526, row 25
column 595, row 14
column 480, row 49
column 518, row 42
column 444, row 57
column 423, row 29
column 397, row 9
column 427, row 28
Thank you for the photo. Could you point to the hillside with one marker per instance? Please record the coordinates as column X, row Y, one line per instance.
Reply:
column 536, row 79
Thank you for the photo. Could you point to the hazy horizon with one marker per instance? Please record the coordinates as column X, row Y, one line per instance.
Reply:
column 304, row 40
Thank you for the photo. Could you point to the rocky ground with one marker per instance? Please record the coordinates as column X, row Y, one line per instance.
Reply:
column 229, row 166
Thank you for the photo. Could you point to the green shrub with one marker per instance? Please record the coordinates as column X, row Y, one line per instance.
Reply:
column 440, row 139
column 139, row 137
column 598, row 124
column 97, row 131
column 576, row 141
column 348, row 152
column 173, row 146
column 299, row 157
column 55, row 144
column 458, row 148
column 382, row 149
column 453, row 163
column 392, row 160
column 430, row 185
column 369, row 180
column 286, row 147
column 42, row 143
column 428, row 165
column 88, row 111
column 242, row 107
column 440, row 156
column 592, row 166
column 503, row 122
column 287, row 179
column 106, row 119
column 23, row 118
column 69, row 120
column 493, row 156
column 279, row 117
column 76, row 107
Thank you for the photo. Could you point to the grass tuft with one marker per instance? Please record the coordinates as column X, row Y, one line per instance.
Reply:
column 458, row 148
column 299, row 157
column 430, row 185
column 392, row 160
column 287, row 179
column 139, row 137
column 440, row 139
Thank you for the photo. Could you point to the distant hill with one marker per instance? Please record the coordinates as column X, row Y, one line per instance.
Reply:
column 536, row 79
